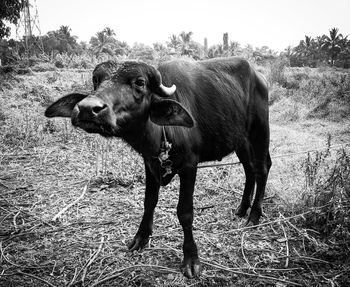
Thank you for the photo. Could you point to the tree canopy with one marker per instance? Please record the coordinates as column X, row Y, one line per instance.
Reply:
column 332, row 49
column 10, row 12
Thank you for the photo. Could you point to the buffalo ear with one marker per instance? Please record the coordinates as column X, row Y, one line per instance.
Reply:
column 167, row 112
column 64, row 106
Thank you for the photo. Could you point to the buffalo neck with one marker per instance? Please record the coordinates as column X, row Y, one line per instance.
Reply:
column 145, row 138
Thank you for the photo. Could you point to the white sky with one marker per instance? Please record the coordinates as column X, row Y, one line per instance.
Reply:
column 274, row 23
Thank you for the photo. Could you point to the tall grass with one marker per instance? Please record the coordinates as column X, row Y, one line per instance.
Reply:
column 324, row 94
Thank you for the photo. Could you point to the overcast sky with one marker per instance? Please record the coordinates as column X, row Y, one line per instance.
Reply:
column 273, row 23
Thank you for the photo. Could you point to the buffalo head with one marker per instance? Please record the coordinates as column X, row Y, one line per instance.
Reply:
column 123, row 102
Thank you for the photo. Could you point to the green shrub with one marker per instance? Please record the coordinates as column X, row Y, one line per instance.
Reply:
column 330, row 95
column 325, row 94
column 43, row 67
column 276, row 93
column 59, row 64
column 277, row 72
column 327, row 187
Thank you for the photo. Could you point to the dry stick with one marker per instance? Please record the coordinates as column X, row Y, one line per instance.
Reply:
column 74, row 276
column 53, row 268
column 304, row 234
column 313, row 259
column 221, row 267
column 119, row 271
column 235, row 271
column 270, row 222
column 14, row 220
column 92, row 259
column 242, row 248
column 29, row 275
column 3, row 184
column 71, row 204
column 3, row 256
column 103, row 270
column 27, row 212
column 1, row 252
column 287, row 246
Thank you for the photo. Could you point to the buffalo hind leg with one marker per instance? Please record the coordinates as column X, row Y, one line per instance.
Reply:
column 151, row 198
column 262, row 168
column 191, row 265
column 259, row 140
column 245, row 156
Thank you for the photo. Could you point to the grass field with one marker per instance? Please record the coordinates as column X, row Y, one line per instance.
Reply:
column 71, row 201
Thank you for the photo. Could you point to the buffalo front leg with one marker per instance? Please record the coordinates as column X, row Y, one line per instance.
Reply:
column 191, row 265
column 151, row 198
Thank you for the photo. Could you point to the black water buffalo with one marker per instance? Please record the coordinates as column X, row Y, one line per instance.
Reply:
column 176, row 116
column 103, row 72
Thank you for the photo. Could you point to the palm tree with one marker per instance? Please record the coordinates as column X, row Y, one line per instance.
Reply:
column 216, row 51
column 174, row 42
column 333, row 44
column 103, row 42
column 109, row 32
column 185, row 41
column 305, row 51
column 319, row 51
column 64, row 31
column 307, row 46
column 186, row 37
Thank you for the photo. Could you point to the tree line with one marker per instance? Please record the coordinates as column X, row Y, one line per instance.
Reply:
column 332, row 49
column 105, row 44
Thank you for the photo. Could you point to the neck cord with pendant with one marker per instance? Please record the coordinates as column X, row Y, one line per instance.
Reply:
column 163, row 156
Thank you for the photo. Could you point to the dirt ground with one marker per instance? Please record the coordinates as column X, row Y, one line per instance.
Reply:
column 70, row 202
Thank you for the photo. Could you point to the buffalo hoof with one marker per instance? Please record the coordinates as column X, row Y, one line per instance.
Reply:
column 191, row 267
column 254, row 217
column 138, row 243
column 241, row 211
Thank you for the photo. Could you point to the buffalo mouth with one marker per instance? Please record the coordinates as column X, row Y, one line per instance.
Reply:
column 97, row 128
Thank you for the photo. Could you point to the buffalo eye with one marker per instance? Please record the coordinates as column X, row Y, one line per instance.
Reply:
column 140, row 82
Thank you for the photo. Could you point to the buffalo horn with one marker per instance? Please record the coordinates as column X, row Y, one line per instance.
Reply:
column 168, row 91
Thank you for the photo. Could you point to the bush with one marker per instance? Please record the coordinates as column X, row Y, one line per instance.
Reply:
column 328, row 189
column 277, row 72
column 330, row 94
column 59, row 64
column 276, row 93
column 43, row 67
column 326, row 94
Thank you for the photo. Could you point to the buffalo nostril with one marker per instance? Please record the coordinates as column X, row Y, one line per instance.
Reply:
column 97, row 109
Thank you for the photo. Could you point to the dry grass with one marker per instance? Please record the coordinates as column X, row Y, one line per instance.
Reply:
column 71, row 201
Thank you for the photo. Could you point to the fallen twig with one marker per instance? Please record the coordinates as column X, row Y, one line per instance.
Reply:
column 237, row 270
column 221, row 267
column 287, row 245
column 269, row 222
column 74, row 276
column 29, row 275
column 242, row 249
column 14, row 220
column 117, row 273
column 58, row 215
column 3, row 184
column 92, row 259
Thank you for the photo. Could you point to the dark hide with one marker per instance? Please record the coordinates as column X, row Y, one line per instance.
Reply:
column 220, row 106
column 103, row 72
